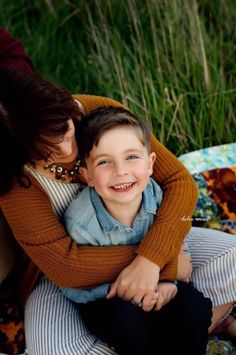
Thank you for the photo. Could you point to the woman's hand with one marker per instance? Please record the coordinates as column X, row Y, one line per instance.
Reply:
column 137, row 283
column 185, row 268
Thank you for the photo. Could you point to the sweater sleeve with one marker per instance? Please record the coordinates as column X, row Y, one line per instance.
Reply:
column 12, row 52
column 43, row 238
column 37, row 229
column 91, row 102
column 162, row 242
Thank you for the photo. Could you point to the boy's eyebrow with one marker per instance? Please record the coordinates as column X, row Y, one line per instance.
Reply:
column 104, row 155
column 133, row 150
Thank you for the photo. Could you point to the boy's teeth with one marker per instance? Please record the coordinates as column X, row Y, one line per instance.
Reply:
column 122, row 187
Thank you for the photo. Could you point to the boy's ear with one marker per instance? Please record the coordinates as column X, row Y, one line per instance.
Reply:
column 151, row 161
column 84, row 172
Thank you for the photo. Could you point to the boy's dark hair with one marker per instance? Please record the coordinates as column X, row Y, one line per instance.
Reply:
column 101, row 120
column 31, row 111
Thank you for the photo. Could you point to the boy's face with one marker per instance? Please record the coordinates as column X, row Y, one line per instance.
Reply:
column 119, row 167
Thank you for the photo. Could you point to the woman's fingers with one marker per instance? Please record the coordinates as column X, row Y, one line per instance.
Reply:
column 138, row 280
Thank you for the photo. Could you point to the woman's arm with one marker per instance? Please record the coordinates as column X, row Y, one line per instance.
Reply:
column 160, row 247
column 12, row 52
column 41, row 235
column 162, row 243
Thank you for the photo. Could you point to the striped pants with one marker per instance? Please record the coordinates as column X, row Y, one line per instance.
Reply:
column 53, row 325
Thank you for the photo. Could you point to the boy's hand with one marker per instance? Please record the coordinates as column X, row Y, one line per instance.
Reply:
column 166, row 291
column 185, row 268
column 137, row 283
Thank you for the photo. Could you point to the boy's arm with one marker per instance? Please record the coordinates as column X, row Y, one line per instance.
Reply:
column 167, row 291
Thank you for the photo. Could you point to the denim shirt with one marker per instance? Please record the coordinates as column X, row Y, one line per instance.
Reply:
column 88, row 222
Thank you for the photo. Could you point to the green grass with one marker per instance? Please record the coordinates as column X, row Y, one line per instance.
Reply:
column 171, row 61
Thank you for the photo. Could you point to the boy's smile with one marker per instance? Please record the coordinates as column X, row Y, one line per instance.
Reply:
column 123, row 187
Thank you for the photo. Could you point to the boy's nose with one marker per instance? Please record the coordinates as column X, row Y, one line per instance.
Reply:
column 120, row 169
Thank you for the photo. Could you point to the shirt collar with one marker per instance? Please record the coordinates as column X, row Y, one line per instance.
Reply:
column 107, row 222
column 149, row 202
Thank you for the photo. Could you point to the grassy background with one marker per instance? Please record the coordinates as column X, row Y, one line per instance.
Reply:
column 172, row 62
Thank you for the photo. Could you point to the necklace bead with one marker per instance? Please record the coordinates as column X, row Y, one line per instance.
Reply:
column 62, row 173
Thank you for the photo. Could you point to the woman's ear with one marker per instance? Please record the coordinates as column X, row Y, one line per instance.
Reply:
column 84, row 172
column 151, row 161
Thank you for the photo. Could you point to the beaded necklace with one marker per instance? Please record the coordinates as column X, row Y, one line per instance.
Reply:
column 62, row 173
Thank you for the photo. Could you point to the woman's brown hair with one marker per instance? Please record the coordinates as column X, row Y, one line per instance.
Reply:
column 32, row 111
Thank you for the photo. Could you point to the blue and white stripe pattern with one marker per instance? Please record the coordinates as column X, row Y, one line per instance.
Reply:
column 59, row 193
column 214, row 263
column 53, row 324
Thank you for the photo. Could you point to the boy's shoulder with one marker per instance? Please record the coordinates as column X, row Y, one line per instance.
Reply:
column 152, row 197
column 81, row 220
column 81, row 207
column 154, row 189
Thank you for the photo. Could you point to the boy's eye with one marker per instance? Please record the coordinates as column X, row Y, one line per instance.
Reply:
column 103, row 162
column 131, row 157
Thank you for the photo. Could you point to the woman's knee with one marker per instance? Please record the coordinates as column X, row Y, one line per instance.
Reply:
column 53, row 324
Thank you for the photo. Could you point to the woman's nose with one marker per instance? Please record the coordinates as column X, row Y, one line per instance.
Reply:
column 66, row 149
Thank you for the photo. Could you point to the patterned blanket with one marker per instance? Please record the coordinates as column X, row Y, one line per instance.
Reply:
column 12, row 340
column 214, row 171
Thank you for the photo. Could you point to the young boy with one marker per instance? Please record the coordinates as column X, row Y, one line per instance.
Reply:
column 121, row 200
column 118, row 207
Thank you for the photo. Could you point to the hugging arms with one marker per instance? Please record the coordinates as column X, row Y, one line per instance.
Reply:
column 53, row 251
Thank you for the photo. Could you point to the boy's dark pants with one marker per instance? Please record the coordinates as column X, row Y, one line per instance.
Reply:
column 180, row 327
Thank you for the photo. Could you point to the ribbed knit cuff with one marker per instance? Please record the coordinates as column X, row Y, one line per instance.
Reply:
column 169, row 272
column 162, row 245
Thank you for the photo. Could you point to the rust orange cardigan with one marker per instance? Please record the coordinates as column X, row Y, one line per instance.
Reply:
column 50, row 250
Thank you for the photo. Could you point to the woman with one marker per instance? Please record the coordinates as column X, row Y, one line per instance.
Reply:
column 45, row 300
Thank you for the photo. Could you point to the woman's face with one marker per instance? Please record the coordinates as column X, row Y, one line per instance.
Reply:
column 65, row 151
